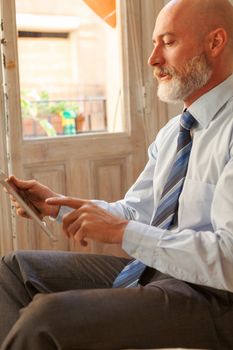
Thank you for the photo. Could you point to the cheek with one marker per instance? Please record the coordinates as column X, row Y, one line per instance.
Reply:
column 179, row 56
column 175, row 59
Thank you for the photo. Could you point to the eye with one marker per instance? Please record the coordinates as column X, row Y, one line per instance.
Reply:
column 169, row 43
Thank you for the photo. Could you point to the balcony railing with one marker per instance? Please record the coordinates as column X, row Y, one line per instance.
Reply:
column 63, row 117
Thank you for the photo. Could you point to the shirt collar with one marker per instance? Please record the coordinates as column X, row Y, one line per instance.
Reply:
column 207, row 106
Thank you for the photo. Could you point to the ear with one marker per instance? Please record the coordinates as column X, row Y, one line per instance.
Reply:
column 217, row 40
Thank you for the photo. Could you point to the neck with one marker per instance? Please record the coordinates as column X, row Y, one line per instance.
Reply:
column 213, row 82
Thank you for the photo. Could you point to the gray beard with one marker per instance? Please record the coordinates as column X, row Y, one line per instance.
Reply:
column 195, row 75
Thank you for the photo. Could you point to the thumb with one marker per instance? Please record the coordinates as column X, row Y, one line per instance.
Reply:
column 19, row 184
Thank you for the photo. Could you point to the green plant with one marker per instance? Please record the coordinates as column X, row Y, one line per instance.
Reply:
column 58, row 107
column 38, row 107
column 34, row 106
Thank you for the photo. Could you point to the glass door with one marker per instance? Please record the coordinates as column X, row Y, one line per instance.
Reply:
column 68, row 68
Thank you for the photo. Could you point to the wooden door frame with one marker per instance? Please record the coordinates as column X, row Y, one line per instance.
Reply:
column 10, row 142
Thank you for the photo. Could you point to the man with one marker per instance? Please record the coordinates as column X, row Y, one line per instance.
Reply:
column 184, row 298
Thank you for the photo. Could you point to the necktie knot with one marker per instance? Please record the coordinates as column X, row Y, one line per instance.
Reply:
column 187, row 121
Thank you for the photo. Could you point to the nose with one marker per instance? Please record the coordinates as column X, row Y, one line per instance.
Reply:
column 156, row 57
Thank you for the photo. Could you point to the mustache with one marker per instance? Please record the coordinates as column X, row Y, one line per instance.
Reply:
column 158, row 71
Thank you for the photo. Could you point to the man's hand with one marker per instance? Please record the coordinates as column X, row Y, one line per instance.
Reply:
column 89, row 221
column 35, row 195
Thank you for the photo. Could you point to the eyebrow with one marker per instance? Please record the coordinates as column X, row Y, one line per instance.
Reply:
column 161, row 36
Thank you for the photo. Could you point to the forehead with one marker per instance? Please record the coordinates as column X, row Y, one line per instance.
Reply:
column 174, row 21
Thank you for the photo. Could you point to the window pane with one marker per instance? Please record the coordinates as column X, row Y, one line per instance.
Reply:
column 69, row 69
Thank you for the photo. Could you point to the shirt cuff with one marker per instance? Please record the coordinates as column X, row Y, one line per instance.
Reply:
column 140, row 241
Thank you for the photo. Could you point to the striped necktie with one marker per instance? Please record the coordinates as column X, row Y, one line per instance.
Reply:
column 165, row 215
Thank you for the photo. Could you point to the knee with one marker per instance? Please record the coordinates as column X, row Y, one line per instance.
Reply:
column 39, row 315
column 34, row 328
column 11, row 259
column 18, row 261
column 7, row 264
column 7, row 259
column 10, row 265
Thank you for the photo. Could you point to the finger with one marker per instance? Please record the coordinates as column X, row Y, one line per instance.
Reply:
column 74, row 227
column 83, row 242
column 11, row 182
column 76, row 230
column 65, row 225
column 71, row 202
column 72, row 216
column 14, row 202
column 79, row 237
column 20, row 184
column 16, row 205
column 22, row 213
column 70, row 223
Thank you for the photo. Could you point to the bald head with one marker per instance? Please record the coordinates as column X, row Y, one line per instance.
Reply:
column 202, row 16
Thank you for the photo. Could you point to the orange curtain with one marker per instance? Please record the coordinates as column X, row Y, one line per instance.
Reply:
column 106, row 9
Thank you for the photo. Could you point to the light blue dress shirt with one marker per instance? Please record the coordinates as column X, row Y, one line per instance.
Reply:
column 200, row 248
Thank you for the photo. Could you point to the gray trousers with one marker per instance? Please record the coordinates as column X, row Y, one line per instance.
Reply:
column 62, row 300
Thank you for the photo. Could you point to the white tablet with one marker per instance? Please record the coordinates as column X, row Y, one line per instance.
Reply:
column 29, row 210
